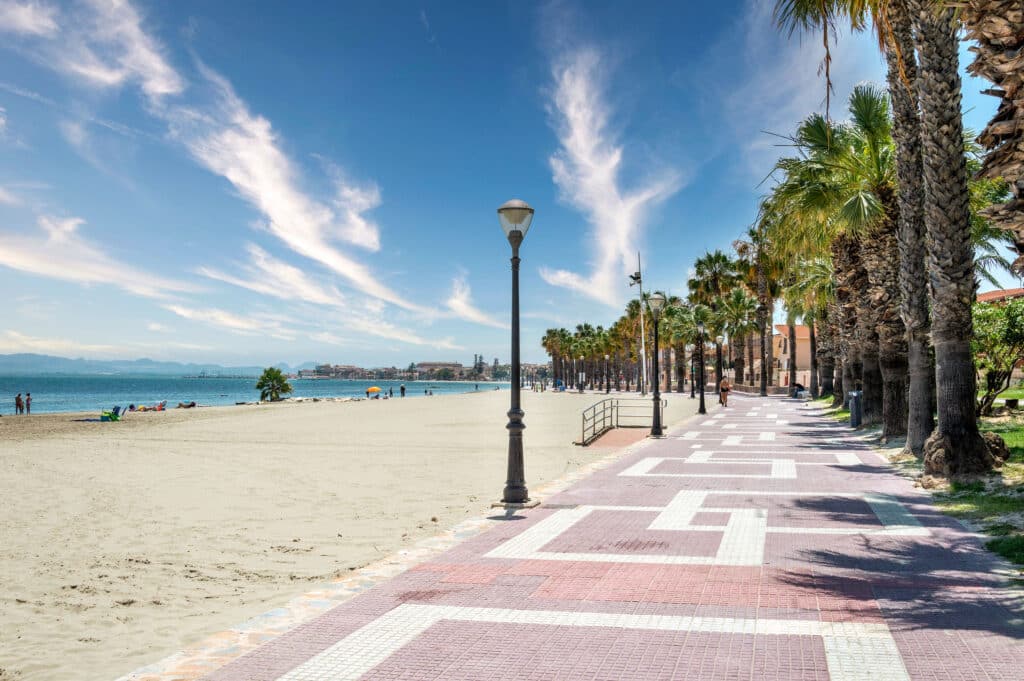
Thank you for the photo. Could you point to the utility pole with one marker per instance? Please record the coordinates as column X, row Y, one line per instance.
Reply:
column 638, row 280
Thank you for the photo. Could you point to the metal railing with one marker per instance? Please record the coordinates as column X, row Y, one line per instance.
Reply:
column 616, row 412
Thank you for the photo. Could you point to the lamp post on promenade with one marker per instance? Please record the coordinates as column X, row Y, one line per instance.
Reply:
column 515, row 217
column 693, row 371
column 657, row 305
column 700, row 365
column 607, row 377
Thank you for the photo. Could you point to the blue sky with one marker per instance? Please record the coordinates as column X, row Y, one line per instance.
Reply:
column 254, row 182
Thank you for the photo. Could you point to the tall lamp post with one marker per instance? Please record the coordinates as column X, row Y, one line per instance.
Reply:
column 607, row 377
column 657, row 305
column 693, row 370
column 515, row 217
column 700, row 365
column 583, row 374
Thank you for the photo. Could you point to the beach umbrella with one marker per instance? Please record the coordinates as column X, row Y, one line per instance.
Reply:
column 374, row 389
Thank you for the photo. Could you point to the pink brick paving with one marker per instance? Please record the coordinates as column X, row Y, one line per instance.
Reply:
column 776, row 548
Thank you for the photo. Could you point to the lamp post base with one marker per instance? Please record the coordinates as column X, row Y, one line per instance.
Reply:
column 529, row 503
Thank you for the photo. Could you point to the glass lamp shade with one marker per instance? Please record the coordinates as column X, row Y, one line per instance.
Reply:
column 515, row 216
column 700, row 328
column 607, row 357
column 657, row 304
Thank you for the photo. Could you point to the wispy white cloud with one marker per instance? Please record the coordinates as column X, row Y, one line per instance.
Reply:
column 243, row 148
column 461, row 305
column 425, row 22
column 107, row 46
column 157, row 327
column 14, row 342
column 8, row 198
column 586, row 169
column 27, row 18
column 61, row 252
column 270, row 276
column 259, row 324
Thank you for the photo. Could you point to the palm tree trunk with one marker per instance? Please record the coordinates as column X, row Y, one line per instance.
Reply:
column 883, row 297
column 680, row 351
column 667, row 364
column 737, row 362
column 902, row 78
column 837, row 384
column 750, row 355
column 956, row 446
column 762, row 323
column 814, row 359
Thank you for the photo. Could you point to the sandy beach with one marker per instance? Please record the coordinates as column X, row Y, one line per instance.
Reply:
column 123, row 542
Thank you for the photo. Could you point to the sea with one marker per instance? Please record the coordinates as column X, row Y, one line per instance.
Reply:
column 74, row 393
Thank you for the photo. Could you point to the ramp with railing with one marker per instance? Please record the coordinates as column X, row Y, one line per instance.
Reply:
column 617, row 412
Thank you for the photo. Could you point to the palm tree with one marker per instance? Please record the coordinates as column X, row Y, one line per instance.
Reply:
column 738, row 314
column 956, row 446
column 272, row 384
column 893, row 26
column 714, row 274
column 995, row 25
column 841, row 188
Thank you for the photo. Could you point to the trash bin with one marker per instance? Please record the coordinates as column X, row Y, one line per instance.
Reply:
column 856, row 407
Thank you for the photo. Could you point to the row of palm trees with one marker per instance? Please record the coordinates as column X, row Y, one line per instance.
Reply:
column 873, row 235
column 886, row 197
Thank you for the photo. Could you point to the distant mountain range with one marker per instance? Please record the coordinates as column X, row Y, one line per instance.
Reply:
column 28, row 363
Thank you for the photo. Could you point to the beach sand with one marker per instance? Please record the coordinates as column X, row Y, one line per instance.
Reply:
column 123, row 542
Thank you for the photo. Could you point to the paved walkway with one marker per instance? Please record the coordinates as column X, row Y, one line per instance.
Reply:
column 755, row 543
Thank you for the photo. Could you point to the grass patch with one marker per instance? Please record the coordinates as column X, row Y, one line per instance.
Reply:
column 1010, row 548
column 980, row 505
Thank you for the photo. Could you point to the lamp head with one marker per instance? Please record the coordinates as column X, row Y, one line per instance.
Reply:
column 657, row 303
column 515, row 216
column 700, row 328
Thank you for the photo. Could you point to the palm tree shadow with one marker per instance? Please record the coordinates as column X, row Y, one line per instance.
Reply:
column 941, row 582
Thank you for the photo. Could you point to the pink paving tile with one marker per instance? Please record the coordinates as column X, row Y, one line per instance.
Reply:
column 465, row 651
column 675, row 467
column 626, row 532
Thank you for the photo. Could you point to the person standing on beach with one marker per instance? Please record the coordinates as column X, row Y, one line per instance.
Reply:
column 401, row 389
column 19, row 406
column 28, row 403
column 391, row 391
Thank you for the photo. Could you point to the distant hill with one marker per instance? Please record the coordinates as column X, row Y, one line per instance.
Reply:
column 28, row 363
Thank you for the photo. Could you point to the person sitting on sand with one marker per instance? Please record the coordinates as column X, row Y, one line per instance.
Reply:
column 186, row 405
column 724, row 391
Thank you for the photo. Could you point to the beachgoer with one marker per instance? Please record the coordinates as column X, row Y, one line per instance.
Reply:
column 28, row 403
column 367, row 394
column 424, row 391
column 476, row 386
column 391, row 392
column 724, row 391
column 401, row 389
column 19, row 406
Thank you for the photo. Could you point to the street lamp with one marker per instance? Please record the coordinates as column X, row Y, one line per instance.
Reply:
column 693, row 371
column 700, row 362
column 583, row 373
column 719, row 340
column 607, row 382
column 657, row 305
column 515, row 217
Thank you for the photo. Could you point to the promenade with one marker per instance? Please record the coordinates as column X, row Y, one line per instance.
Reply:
column 760, row 542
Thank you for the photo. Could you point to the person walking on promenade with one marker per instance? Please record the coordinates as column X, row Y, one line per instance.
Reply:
column 724, row 391
column 19, row 406
column 28, row 403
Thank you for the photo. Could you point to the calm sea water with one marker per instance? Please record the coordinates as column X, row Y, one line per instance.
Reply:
column 56, row 393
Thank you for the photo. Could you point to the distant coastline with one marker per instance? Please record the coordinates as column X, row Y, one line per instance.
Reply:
column 92, row 393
